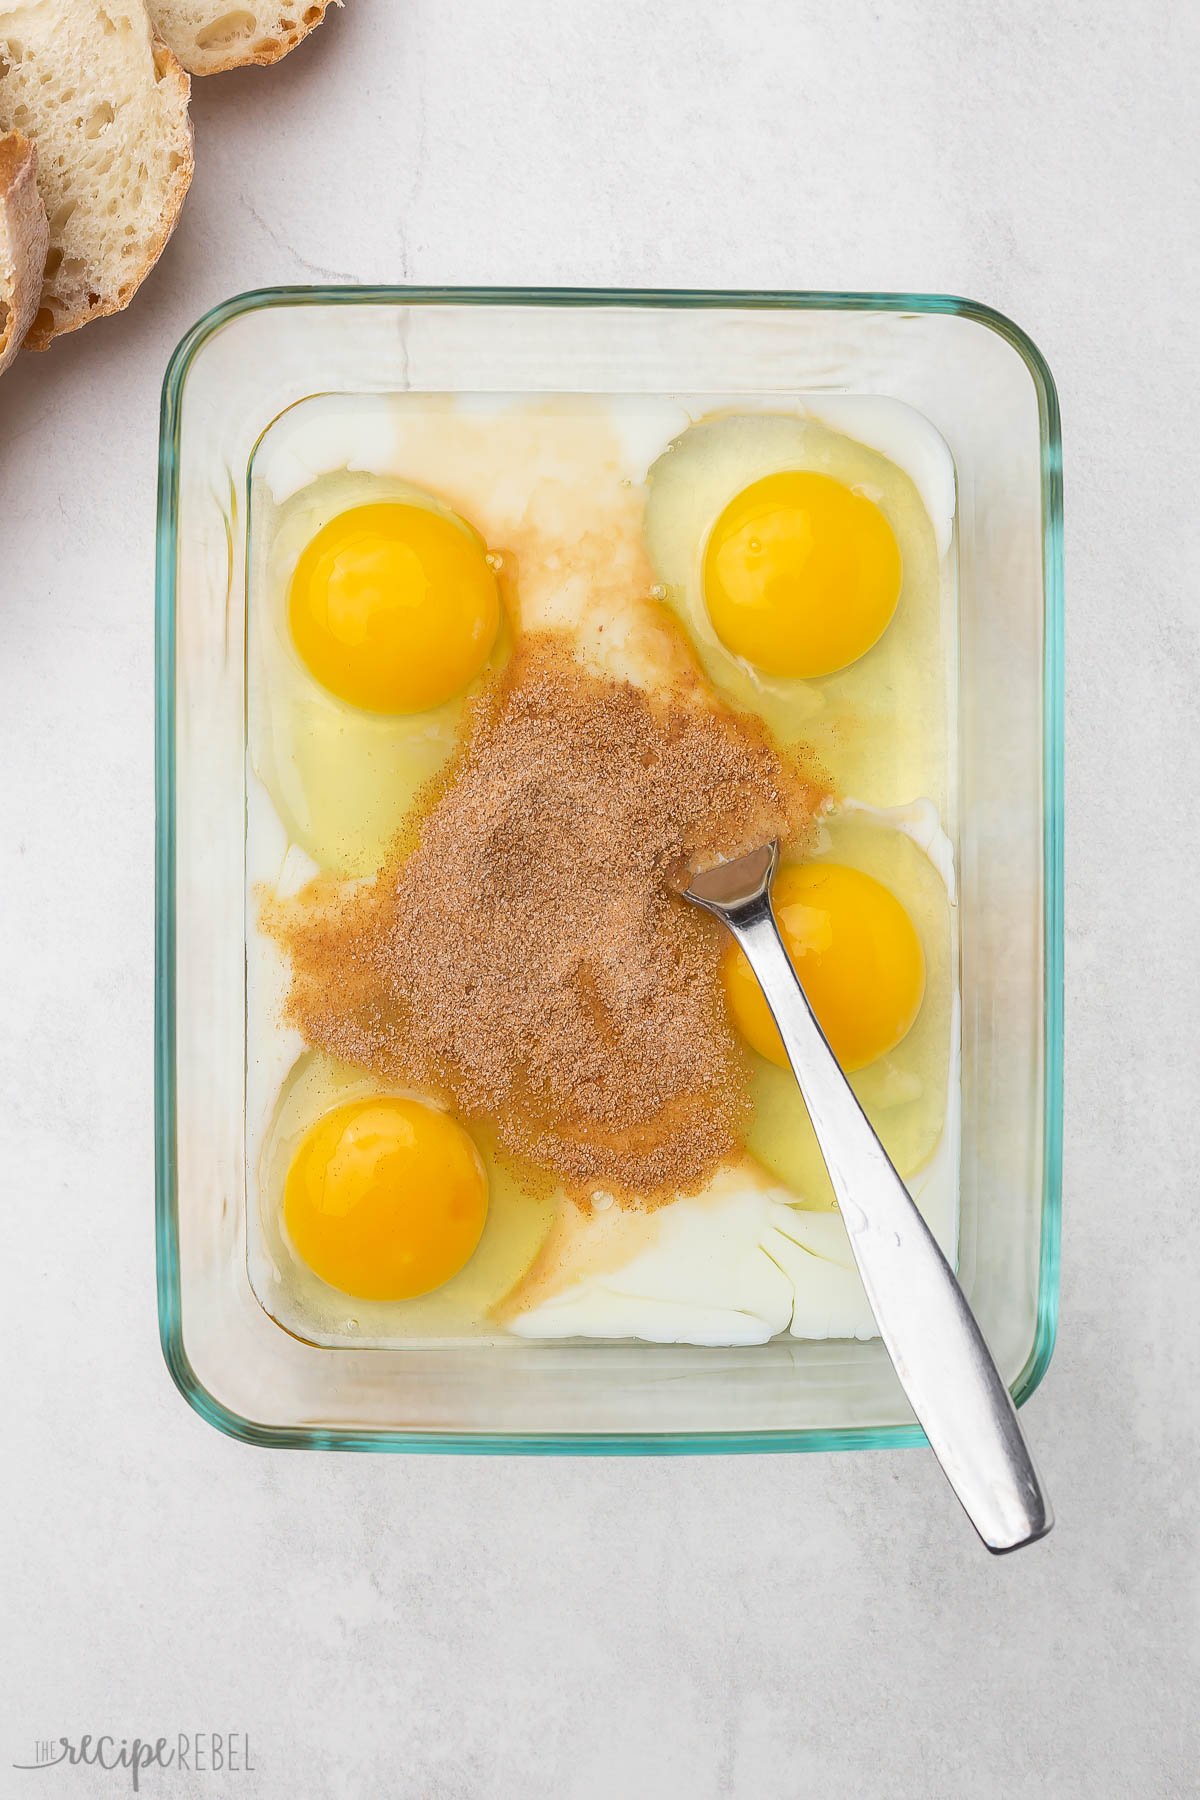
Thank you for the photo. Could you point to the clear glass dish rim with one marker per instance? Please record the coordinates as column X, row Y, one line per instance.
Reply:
column 166, row 1216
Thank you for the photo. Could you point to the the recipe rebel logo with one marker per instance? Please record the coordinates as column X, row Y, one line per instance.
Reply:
column 192, row 1752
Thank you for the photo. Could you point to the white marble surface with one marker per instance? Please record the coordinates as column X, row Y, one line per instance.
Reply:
column 757, row 1627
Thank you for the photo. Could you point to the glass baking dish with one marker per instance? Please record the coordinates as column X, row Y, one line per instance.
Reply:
column 986, row 388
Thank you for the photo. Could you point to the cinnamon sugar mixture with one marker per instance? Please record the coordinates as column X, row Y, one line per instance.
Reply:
column 530, row 958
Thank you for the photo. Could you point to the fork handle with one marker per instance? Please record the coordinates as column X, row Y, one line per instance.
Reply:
column 931, row 1334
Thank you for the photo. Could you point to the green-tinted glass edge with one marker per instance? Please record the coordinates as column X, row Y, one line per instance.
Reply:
column 166, row 1214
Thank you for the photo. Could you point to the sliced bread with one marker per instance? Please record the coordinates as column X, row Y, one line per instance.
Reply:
column 24, row 240
column 107, row 104
column 209, row 36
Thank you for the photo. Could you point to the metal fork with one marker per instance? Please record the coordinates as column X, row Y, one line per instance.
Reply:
column 931, row 1334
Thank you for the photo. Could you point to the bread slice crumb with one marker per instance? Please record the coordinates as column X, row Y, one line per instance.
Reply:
column 209, row 36
column 107, row 104
column 24, row 241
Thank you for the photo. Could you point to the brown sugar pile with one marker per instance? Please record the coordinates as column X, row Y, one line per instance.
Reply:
column 530, row 959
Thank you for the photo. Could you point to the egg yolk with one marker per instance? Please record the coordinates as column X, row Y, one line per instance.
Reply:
column 394, row 607
column 801, row 575
column 385, row 1198
column 858, row 957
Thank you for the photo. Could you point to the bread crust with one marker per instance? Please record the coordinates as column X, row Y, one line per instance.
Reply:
column 24, row 242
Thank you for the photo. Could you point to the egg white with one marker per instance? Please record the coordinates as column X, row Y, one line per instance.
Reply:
column 882, row 724
column 343, row 779
column 740, row 1263
column 904, row 1092
column 460, row 1310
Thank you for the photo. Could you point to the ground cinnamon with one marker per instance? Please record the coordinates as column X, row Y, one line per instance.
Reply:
column 530, row 959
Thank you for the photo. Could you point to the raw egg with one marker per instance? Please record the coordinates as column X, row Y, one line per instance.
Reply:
column 350, row 718
column 385, row 1198
column 858, row 957
column 801, row 574
column 394, row 607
